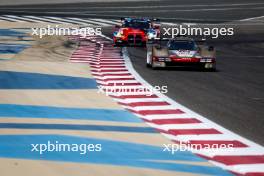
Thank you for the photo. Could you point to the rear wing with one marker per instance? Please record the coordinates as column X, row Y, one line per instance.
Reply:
column 156, row 20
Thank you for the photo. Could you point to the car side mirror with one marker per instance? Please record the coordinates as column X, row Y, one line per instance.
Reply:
column 211, row 48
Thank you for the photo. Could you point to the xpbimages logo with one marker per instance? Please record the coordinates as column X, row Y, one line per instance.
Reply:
column 62, row 147
column 61, row 31
column 173, row 148
column 130, row 90
column 188, row 30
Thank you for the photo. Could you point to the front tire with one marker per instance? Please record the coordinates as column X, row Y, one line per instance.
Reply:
column 153, row 65
column 148, row 60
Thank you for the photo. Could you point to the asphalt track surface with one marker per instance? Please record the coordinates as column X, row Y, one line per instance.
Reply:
column 169, row 10
column 233, row 96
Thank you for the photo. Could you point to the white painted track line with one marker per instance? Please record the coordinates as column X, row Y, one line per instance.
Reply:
column 253, row 18
column 64, row 20
column 90, row 21
column 23, row 19
column 44, row 19
column 59, row 20
column 10, row 19
column 105, row 21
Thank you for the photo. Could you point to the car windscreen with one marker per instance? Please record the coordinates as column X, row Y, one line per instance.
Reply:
column 137, row 24
column 182, row 45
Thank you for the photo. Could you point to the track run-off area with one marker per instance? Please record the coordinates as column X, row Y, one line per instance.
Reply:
column 52, row 90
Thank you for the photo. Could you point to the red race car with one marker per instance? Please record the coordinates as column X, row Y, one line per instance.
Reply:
column 136, row 31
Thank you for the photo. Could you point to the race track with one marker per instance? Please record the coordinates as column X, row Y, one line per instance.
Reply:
column 232, row 97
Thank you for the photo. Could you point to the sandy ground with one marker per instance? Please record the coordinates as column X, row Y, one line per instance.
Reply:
column 33, row 168
column 23, row 25
column 50, row 55
column 48, row 48
column 58, row 98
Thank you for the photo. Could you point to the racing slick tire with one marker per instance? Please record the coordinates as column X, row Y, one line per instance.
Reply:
column 148, row 60
column 152, row 65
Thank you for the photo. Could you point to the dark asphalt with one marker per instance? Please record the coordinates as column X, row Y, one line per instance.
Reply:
column 168, row 10
column 234, row 95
